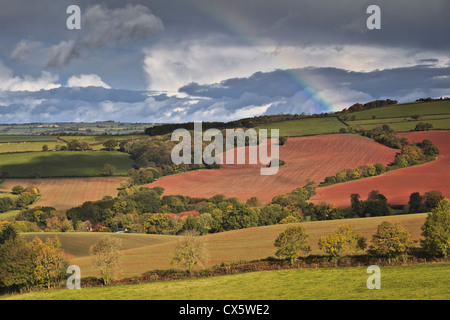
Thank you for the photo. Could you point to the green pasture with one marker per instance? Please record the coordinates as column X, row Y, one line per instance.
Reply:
column 28, row 146
column 64, row 163
column 424, row 281
column 25, row 138
column 404, row 110
column 305, row 127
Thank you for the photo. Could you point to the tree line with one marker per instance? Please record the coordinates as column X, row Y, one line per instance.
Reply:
column 145, row 210
column 42, row 264
column 369, row 105
column 410, row 154
column 25, row 197
column 391, row 241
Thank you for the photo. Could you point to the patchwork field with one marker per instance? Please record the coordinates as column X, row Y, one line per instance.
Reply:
column 65, row 193
column 399, row 184
column 314, row 157
column 144, row 252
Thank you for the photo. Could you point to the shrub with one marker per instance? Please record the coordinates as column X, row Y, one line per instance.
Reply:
column 108, row 170
column 18, row 189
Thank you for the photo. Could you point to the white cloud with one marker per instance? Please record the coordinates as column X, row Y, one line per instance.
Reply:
column 86, row 80
column 170, row 66
column 10, row 82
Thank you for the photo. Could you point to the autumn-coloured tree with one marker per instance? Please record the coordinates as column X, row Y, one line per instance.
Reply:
column 344, row 239
column 190, row 251
column 49, row 262
column 391, row 240
column 106, row 256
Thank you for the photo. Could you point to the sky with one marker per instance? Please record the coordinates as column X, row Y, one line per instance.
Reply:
column 160, row 61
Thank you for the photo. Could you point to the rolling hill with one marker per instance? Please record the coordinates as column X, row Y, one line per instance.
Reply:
column 305, row 157
column 399, row 184
column 144, row 252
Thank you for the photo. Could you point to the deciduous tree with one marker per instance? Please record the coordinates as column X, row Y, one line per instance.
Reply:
column 106, row 256
column 344, row 239
column 436, row 230
column 292, row 243
column 391, row 240
column 190, row 251
column 48, row 261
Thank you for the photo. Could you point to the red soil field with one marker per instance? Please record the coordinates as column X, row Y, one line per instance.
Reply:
column 399, row 184
column 314, row 158
column 65, row 193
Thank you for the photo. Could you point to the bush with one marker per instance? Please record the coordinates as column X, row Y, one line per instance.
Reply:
column 18, row 189
column 108, row 170
column 423, row 126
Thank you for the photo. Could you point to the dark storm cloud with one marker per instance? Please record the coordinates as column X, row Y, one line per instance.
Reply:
column 229, row 100
column 103, row 27
column 409, row 23
column 272, row 84
column 413, row 23
column 116, row 36
column 286, row 83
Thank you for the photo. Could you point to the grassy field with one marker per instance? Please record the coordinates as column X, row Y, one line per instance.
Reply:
column 397, row 283
column 33, row 146
column 92, row 139
column 405, row 110
column 399, row 117
column 305, row 127
column 64, row 163
column 110, row 127
column 96, row 141
column 11, row 144
column 237, row 245
column 402, row 126
column 9, row 214
column 78, row 243
column 65, row 193
column 26, row 138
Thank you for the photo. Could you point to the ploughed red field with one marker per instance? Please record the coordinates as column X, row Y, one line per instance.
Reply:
column 399, row 184
column 314, row 158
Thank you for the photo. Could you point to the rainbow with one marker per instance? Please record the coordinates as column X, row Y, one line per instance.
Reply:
column 231, row 17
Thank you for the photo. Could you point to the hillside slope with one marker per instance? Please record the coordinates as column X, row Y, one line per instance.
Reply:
column 399, row 184
column 314, row 157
